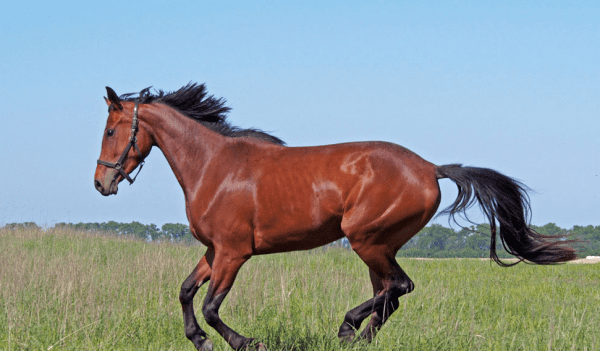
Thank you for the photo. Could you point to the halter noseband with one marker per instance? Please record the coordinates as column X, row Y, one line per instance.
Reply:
column 132, row 142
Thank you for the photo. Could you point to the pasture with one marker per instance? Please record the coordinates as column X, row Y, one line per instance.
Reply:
column 69, row 290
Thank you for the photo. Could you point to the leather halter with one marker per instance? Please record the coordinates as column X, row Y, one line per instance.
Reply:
column 132, row 142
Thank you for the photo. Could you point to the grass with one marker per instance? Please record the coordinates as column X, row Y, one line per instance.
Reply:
column 67, row 290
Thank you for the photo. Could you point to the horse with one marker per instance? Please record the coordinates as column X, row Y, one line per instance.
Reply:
column 247, row 193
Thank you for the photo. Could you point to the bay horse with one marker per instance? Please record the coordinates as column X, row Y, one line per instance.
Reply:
column 246, row 194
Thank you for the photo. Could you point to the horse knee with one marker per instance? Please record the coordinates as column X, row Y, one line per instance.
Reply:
column 187, row 293
column 210, row 310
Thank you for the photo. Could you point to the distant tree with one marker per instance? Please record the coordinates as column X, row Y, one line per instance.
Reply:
column 137, row 229
column 434, row 238
column 550, row 229
column 590, row 239
column 177, row 232
column 340, row 243
column 479, row 239
column 112, row 226
column 25, row 225
column 154, row 232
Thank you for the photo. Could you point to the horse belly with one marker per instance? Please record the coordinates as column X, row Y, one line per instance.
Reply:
column 297, row 238
column 299, row 220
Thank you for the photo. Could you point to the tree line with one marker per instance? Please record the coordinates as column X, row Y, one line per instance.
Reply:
column 173, row 232
column 435, row 241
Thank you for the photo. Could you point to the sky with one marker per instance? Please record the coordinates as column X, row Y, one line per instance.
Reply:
column 512, row 85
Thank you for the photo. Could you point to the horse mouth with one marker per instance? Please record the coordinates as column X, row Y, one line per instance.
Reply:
column 105, row 191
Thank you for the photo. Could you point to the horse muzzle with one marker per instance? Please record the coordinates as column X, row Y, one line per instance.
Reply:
column 105, row 190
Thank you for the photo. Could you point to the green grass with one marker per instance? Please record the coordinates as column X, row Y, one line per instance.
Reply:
column 67, row 290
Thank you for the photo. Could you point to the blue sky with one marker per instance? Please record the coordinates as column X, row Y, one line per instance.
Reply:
column 512, row 85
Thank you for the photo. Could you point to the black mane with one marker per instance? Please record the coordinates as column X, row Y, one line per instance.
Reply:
column 194, row 102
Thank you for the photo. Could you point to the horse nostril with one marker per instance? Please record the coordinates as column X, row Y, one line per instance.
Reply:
column 98, row 185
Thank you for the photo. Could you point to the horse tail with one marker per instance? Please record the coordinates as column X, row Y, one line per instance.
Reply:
column 504, row 200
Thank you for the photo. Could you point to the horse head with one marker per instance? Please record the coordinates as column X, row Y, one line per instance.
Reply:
column 124, row 145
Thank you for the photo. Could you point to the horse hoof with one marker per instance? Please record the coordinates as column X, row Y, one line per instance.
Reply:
column 346, row 339
column 253, row 345
column 207, row 345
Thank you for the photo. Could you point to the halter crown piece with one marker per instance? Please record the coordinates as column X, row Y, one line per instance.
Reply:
column 132, row 142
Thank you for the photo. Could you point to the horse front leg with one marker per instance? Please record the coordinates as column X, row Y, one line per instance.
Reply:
column 200, row 275
column 225, row 269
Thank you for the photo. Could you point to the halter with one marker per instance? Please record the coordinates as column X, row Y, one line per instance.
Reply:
column 132, row 142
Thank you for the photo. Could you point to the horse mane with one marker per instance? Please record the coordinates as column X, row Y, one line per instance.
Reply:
column 193, row 101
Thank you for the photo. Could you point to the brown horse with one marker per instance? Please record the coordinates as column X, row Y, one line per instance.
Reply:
column 246, row 194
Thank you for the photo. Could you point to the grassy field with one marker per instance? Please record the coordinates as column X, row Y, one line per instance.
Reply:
column 62, row 290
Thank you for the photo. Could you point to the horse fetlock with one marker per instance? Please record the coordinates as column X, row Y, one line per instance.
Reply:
column 408, row 287
column 402, row 287
column 193, row 332
column 201, row 344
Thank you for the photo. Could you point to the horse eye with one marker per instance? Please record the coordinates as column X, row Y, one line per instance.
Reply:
column 110, row 132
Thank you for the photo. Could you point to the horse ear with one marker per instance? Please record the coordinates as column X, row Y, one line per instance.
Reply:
column 113, row 98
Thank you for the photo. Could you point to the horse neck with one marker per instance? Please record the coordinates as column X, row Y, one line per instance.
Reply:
column 186, row 144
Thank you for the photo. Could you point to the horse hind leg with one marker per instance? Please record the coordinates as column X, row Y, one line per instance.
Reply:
column 376, row 236
column 200, row 275
column 381, row 315
column 389, row 283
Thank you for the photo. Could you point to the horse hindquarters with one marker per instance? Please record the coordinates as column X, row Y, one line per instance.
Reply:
column 376, row 231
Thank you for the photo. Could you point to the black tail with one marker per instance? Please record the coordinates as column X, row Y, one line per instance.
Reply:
column 504, row 200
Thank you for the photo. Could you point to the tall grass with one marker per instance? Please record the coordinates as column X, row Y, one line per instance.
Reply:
column 67, row 290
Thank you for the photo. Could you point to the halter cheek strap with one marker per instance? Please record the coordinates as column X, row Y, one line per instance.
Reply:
column 132, row 143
